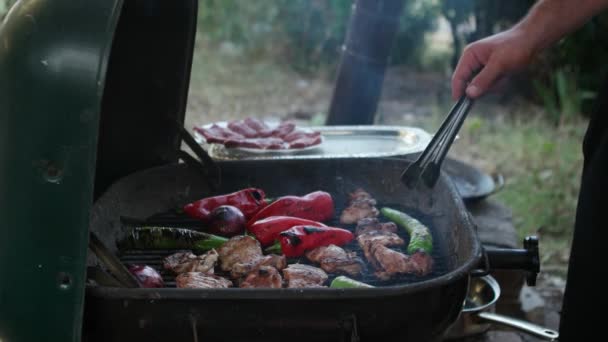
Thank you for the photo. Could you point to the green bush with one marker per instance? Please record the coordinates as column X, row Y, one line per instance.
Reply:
column 5, row 5
column 307, row 34
column 246, row 23
column 567, row 76
column 418, row 18
column 313, row 30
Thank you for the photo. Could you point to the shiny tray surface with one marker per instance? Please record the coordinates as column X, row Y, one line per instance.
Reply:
column 339, row 142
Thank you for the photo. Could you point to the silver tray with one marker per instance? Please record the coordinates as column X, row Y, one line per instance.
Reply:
column 340, row 142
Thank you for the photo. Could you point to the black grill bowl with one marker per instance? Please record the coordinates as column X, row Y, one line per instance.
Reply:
column 411, row 309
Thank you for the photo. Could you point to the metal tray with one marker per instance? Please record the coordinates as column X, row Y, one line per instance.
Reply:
column 340, row 142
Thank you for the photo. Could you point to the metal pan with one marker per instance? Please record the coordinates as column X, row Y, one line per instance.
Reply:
column 478, row 313
column 472, row 184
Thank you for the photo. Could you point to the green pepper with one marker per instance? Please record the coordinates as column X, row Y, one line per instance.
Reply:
column 420, row 236
column 342, row 282
column 170, row 238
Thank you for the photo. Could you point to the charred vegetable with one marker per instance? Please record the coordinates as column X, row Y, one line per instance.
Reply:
column 316, row 206
column 226, row 220
column 170, row 238
column 299, row 239
column 342, row 282
column 146, row 276
column 267, row 230
column 249, row 201
column 420, row 236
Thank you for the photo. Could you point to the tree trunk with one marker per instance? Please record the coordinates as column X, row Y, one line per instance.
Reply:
column 457, row 45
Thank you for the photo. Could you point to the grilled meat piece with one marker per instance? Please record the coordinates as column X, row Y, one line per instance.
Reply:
column 361, row 205
column 300, row 276
column 371, row 224
column 241, row 269
column 264, row 276
column 389, row 262
column 334, row 259
column 198, row 280
column 360, row 194
column 368, row 240
column 423, row 263
column 239, row 249
column 379, row 237
column 188, row 262
column 375, row 238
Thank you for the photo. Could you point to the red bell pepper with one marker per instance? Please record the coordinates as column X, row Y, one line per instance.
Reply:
column 299, row 239
column 267, row 230
column 315, row 206
column 249, row 201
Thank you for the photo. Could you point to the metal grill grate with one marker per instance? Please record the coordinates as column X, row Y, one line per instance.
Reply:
column 154, row 258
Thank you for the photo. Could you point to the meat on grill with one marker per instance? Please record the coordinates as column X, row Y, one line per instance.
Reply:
column 375, row 237
column 361, row 205
column 379, row 237
column 199, row 280
column 334, row 259
column 372, row 224
column 254, row 133
column 300, row 276
column 239, row 249
column 423, row 262
column 187, row 262
column 263, row 277
column 241, row 269
column 388, row 262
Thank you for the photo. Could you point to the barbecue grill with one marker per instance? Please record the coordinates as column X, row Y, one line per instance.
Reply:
column 82, row 89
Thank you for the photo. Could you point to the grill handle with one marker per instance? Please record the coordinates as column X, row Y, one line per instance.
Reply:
column 526, row 259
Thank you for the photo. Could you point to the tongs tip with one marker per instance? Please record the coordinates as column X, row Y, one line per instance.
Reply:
column 428, row 164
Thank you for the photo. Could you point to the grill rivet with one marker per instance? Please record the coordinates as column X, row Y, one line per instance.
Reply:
column 64, row 281
column 50, row 171
column 53, row 174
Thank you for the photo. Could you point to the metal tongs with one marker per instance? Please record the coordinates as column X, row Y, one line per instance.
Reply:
column 428, row 165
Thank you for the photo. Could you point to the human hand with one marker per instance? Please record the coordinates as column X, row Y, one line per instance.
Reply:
column 493, row 57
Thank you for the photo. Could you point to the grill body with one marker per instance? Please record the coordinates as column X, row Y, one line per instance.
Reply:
column 410, row 309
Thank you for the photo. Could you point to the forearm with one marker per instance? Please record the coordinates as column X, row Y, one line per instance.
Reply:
column 550, row 20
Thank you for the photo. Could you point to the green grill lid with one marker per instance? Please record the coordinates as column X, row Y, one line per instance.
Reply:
column 53, row 59
column 90, row 91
